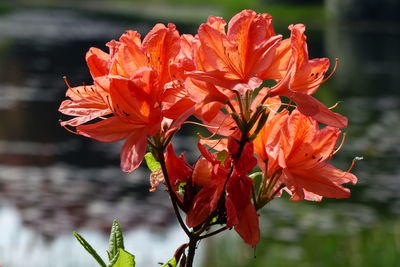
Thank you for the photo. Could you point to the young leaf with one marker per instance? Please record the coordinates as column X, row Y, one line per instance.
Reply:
column 170, row 263
column 113, row 260
column 116, row 241
column 89, row 249
column 222, row 155
column 125, row 259
column 151, row 162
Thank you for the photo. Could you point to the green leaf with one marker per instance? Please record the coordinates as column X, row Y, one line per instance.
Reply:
column 125, row 259
column 116, row 240
column 222, row 155
column 170, row 263
column 151, row 162
column 113, row 260
column 89, row 249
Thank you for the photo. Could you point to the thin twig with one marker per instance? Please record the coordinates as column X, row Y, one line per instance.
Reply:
column 213, row 233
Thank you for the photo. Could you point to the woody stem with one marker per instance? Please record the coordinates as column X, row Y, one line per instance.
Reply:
column 192, row 249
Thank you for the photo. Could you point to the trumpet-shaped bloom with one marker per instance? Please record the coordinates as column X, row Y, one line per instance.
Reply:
column 128, row 100
column 235, row 58
column 297, row 150
column 135, row 117
column 302, row 79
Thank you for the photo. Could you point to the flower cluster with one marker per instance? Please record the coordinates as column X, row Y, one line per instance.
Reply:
column 144, row 90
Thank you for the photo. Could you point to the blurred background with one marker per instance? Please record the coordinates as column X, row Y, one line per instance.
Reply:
column 53, row 182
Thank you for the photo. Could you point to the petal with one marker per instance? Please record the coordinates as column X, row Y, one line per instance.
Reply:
column 84, row 111
column 248, row 226
column 205, row 202
column 280, row 62
column 310, row 106
column 131, row 57
column 177, row 168
column 309, row 76
column 241, row 213
column 162, row 45
column 98, row 62
column 133, row 151
column 207, row 199
column 204, row 92
column 221, row 123
column 215, row 144
column 202, row 172
column 109, row 130
column 213, row 43
column 323, row 180
column 255, row 41
column 133, row 99
column 245, row 163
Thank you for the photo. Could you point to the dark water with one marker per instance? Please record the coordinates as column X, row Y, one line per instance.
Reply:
column 53, row 182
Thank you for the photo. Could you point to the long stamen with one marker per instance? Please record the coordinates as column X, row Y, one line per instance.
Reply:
column 353, row 162
column 66, row 82
column 341, row 144
column 333, row 71
column 278, row 104
column 206, row 138
column 69, row 130
column 337, row 104
column 70, row 88
column 201, row 124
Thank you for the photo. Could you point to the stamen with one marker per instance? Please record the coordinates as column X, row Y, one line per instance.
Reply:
column 353, row 162
column 341, row 144
column 76, row 91
column 206, row 138
column 66, row 82
column 278, row 104
column 201, row 124
column 337, row 104
column 333, row 71
column 69, row 130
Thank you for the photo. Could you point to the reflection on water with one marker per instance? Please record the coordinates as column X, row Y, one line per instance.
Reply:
column 52, row 182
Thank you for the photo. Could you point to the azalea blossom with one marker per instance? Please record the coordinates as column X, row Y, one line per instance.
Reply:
column 235, row 58
column 144, row 89
column 302, row 78
column 129, row 98
column 294, row 148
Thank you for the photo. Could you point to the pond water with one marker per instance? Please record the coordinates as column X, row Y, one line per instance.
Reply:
column 53, row 182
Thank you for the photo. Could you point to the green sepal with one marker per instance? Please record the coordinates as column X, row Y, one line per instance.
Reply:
column 89, row 249
column 151, row 162
column 116, row 240
column 171, row 263
column 123, row 259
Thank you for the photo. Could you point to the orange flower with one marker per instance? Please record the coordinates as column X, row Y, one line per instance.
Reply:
column 302, row 79
column 233, row 59
column 297, row 151
column 128, row 92
column 135, row 117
